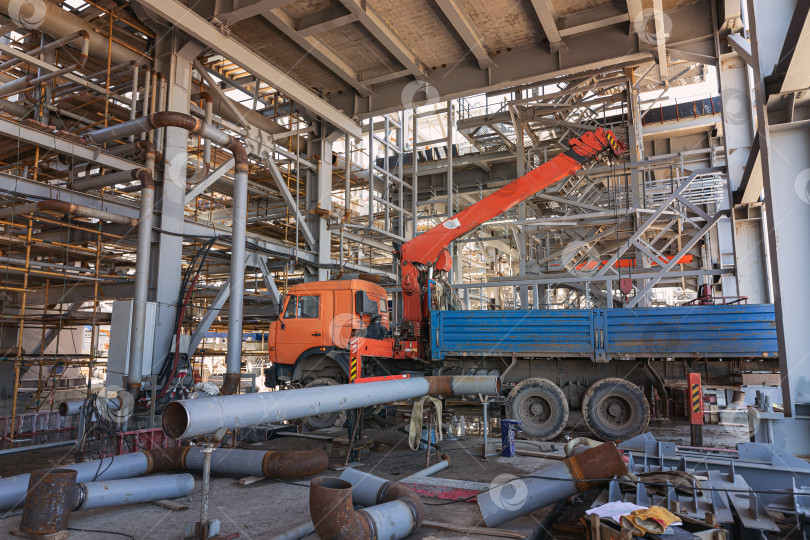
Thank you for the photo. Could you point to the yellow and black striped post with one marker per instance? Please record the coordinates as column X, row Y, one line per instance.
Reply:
column 354, row 360
column 696, row 409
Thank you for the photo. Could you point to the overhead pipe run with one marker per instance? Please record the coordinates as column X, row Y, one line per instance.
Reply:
column 195, row 417
column 392, row 511
column 18, row 85
column 53, row 494
column 529, row 493
column 237, row 462
column 57, row 22
column 106, row 180
column 233, row 361
column 62, row 207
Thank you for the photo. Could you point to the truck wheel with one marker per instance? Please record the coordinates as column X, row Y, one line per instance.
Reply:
column 540, row 406
column 615, row 409
column 326, row 420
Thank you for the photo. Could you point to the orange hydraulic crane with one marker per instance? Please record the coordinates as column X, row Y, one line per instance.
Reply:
column 426, row 257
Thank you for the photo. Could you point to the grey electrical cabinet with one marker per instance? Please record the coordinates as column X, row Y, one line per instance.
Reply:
column 120, row 333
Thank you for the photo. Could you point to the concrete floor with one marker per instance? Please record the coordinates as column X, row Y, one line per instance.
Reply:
column 266, row 508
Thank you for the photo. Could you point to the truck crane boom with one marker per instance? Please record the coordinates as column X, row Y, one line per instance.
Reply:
column 427, row 253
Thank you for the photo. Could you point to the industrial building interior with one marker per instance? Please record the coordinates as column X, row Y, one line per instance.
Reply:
column 361, row 269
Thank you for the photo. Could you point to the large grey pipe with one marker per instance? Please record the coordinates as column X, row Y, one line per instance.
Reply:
column 51, row 19
column 235, row 461
column 134, row 490
column 233, row 362
column 53, row 494
column 107, row 180
column 51, row 205
column 547, row 486
column 13, row 488
column 145, row 221
column 195, row 417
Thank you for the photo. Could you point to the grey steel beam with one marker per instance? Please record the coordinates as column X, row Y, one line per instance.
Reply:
column 653, row 280
column 594, row 25
column 51, row 334
column 50, row 141
column 548, row 21
column 660, row 39
column 187, row 20
column 209, row 316
column 389, row 39
column 289, row 199
column 742, row 47
column 322, row 21
column 658, row 212
column 317, row 49
column 518, row 281
column 269, row 282
column 206, row 182
column 39, row 190
column 248, row 10
column 634, row 12
column 469, row 33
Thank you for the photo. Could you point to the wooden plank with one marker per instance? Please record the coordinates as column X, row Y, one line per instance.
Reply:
column 305, row 435
column 544, row 455
column 764, row 379
column 484, row 531
column 246, row 481
column 171, row 505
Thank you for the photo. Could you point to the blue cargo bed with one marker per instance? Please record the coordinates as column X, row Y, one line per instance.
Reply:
column 739, row 331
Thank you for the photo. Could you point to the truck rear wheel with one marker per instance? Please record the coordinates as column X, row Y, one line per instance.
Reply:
column 540, row 406
column 326, row 420
column 615, row 409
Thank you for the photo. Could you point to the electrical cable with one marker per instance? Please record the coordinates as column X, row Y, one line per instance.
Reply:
column 125, row 535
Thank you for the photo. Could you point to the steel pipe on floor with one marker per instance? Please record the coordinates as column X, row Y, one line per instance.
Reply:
column 547, row 486
column 239, row 462
column 53, row 494
column 195, row 417
column 13, row 488
column 392, row 511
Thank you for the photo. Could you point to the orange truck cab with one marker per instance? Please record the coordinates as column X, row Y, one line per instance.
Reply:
column 309, row 340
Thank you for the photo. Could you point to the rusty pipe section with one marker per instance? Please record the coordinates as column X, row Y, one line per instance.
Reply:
column 195, row 126
column 62, row 207
column 573, row 475
column 397, row 513
column 195, row 417
column 283, row 465
column 239, row 462
column 53, row 494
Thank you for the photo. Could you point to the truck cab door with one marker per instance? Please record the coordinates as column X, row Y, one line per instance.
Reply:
column 344, row 319
column 301, row 325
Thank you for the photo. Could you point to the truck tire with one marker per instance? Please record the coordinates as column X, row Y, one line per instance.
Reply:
column 327, row 420
column 540, row 406
column 615, row 409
